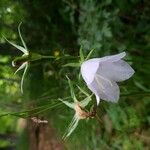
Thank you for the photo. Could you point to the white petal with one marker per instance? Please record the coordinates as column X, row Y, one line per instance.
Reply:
column 88, row 69
column 24, row 73
column 24, row 44
column 13, row 64
column 116, row 71
column 20, row 68
column 18, row 47
column 97, row 99
column 104, row 89
column 112, row 58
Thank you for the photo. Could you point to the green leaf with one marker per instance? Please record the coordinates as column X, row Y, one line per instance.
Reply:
column 70, row 105
column 83, row 91
column 81, row 54
column 89, row 54
column 86, row 101
column 71, row 90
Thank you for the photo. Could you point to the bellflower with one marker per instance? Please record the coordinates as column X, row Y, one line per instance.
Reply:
column 102, row 74
column 21, row 60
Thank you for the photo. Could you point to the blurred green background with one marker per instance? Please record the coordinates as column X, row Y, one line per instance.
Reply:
column 53, row 27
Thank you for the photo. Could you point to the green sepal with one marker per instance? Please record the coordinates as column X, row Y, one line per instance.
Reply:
column 72, row 90
column 27, row 58
column 34, row 56
column 89, row 54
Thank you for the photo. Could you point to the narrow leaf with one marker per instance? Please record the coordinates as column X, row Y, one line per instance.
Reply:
column 70, row 105
column 71, row 90
column 81, row 54
column 86, row 101
column 83, row 91
column 89, row 54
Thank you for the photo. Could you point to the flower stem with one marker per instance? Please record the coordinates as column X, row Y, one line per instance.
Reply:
column 136, row 94
column 45, row 57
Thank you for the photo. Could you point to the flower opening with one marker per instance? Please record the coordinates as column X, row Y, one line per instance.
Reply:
column 102, row 74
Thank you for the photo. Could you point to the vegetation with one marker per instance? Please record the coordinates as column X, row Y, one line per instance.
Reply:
column 63, row 33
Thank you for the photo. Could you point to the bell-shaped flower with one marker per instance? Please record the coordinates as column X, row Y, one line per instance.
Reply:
column 102, row 74
column 78, row 107
column 22, row 61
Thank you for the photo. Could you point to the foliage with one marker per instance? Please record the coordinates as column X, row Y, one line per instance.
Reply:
column 58, row 28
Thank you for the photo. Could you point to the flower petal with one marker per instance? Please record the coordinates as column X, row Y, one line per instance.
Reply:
column 116, row 71
column 104, row 89
column 24, row 44
column 112, row 58
column 20, row 68
column 88, row 69
column 24, row 73
column 18, row 47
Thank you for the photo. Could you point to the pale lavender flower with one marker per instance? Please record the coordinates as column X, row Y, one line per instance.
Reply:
column 102, row 74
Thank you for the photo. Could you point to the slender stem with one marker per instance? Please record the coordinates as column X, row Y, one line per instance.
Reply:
column 99, row 120
column 138, row 60
column 45, row 57
column 40, row 108
column 136, row 93
column 47, row 108
column 61, row 57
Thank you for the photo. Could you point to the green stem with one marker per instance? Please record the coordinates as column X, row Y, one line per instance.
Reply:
column 135, row 93
column 29, row 111
column 45, row 57
column 47, row 108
